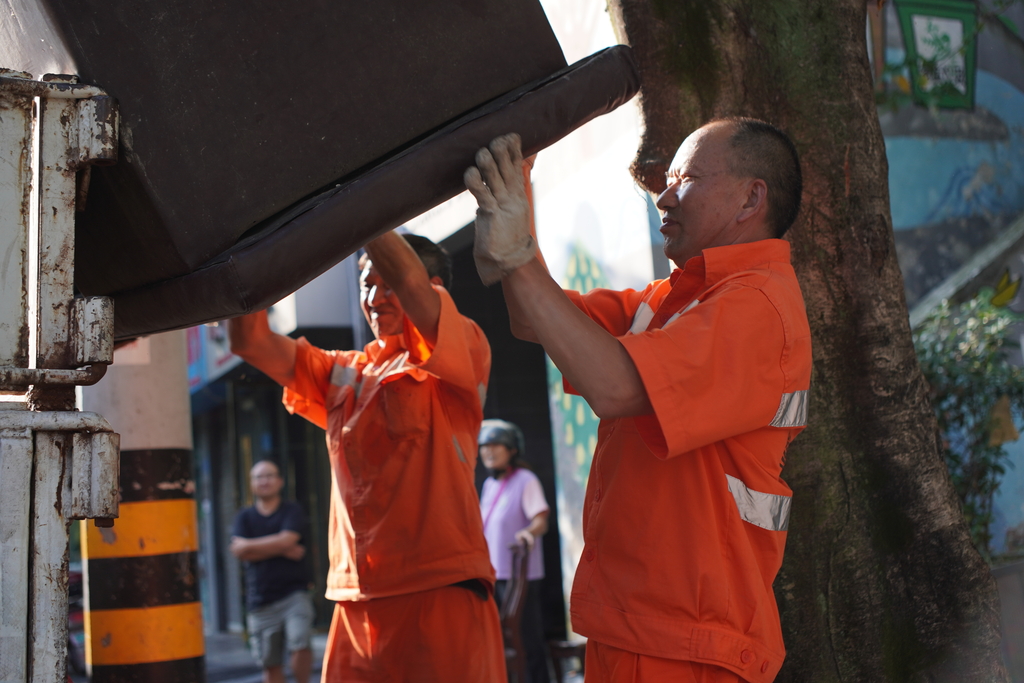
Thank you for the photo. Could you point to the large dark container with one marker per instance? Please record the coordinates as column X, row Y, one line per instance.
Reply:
column 263, row 141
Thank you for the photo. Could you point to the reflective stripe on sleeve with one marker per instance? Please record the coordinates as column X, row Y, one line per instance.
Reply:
column 676, row 315
column 481, row 389
column 458, row 449
column 343, row 375
column 767, row 510
column 792, row 410
column 641, row 319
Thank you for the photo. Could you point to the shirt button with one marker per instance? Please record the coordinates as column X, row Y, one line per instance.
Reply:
column 590, row 555
column 764, row 667
column 597, row 495
column 746, row 656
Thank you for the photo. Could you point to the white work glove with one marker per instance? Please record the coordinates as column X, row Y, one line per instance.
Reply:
column 503, row 240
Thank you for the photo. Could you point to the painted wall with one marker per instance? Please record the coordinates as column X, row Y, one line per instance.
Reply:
column 956, row 176
column 935, row 179
column 956, row 183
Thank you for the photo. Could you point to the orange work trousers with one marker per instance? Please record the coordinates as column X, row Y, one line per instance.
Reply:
column 607, row 664
column 444, row 635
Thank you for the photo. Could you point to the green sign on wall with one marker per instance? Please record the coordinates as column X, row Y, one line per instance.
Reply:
column 939, row 36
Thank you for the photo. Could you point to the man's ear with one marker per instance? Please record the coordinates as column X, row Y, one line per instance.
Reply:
column 755, row 202
column 436, row 280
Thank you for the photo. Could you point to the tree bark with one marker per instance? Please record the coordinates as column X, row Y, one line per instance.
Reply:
column 880, row 580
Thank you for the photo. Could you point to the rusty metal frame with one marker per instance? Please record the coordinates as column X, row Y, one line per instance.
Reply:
column 55, row 464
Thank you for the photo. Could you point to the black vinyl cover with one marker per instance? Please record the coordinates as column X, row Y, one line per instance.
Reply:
column 316, row 234
column 264, row 141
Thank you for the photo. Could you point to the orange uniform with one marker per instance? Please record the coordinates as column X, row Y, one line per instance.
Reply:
column 611, row 665
column 401, row 420
column 685, row 514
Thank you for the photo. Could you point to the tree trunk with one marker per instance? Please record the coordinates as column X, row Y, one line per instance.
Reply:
column 880, row 580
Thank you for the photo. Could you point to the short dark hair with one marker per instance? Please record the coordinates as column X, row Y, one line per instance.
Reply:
column 435, row 259
column 763, row 151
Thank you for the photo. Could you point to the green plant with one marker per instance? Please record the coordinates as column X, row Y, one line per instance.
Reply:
column 963, row 354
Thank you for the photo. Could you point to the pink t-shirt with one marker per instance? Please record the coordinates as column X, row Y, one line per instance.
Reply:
column 507, row 506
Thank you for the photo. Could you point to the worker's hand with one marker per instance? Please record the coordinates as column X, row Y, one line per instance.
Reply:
column 296, row 552
column 503, row 240
column 524, row 537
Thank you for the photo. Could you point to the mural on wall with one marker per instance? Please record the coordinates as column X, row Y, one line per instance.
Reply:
column 956, row 166
column 1006, row 290
column 956, row 162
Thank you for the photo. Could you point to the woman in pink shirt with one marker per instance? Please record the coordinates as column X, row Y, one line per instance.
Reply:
column 515, row 512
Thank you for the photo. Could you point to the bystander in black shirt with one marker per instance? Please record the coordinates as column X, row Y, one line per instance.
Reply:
column 270, row 580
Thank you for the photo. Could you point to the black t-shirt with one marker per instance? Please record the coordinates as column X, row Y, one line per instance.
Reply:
column 278, row 577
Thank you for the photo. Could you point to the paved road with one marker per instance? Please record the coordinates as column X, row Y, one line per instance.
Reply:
column 228, row 660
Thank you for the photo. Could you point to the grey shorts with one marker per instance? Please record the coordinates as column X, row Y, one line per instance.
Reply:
column 285, row 622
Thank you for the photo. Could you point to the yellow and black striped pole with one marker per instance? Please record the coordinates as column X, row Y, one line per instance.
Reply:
column 143, row 616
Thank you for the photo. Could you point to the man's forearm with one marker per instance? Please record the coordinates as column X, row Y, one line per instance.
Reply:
column 400, row 267
column 517, row 318
column 252, row 339
column 264, row 547
column 595, row 363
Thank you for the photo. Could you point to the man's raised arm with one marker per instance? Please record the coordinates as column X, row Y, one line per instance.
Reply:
column 518, row 321
column 252, row 339
column 593, row 361
column 405, row 274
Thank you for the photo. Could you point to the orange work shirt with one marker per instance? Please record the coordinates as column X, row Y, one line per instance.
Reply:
column 402, row 419
column 685, row 515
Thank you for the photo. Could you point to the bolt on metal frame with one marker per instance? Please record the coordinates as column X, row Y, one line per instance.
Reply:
column 56, row 463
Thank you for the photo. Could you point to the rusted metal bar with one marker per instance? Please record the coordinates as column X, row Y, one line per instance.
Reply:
column 55, row 465
column 20, row 84
column 15, row 195
column 58, row 138
column 13, row 379
column 92, row 330
column 48, row 570
column 95, row 474
column 97, row 131
column 16, row 483
column 56, row 421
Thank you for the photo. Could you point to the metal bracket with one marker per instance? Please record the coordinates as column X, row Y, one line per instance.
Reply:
column 15, row 379
column 95, row 476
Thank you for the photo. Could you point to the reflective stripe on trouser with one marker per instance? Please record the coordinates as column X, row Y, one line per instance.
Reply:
column 143, row 620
